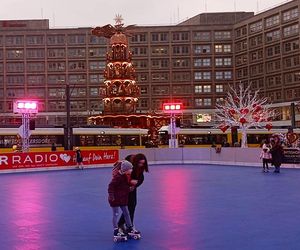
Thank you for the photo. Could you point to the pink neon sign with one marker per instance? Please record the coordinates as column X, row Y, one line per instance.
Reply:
column 24, row 106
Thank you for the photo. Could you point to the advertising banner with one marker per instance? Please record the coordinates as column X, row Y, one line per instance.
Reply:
column 56, row 159
column 291, row 155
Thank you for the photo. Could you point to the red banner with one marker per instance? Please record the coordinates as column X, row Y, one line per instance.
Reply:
column 56, row 159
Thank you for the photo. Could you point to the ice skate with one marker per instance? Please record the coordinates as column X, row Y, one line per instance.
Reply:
column 133, row 233
column 122, row 228
column 119, row 236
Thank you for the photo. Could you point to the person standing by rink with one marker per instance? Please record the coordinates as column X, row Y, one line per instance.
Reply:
column 53, row 147
column 277, row 153
column 118, row 190
column 15, row 149
column 140, row 165
column 78, row 158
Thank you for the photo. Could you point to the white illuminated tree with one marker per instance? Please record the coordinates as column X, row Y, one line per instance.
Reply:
column 244, row 109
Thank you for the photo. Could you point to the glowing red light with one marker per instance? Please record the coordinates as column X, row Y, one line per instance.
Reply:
column 172, row 107
column 25, row 107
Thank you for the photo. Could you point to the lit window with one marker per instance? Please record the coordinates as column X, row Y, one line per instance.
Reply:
column 198, row 89
column 218, row 48
column 219, row 100
column 206, row 88
column 227, row 48
column 219, row 88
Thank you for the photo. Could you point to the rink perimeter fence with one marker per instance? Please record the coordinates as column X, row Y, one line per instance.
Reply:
column 62, row 160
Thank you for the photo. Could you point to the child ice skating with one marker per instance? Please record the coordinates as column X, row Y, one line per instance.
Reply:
column 266, row 157
column 118, row 190
column 140, row 165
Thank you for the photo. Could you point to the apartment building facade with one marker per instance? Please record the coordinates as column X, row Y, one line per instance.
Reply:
column 267, row 55
column 192, row 62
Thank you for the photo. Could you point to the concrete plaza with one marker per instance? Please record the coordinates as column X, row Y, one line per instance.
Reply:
column 180, row 207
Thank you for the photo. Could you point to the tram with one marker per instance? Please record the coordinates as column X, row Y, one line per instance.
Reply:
column 205, row 137
column 41, row 139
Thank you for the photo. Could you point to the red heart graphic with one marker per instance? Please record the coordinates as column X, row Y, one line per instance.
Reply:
column 292, row 137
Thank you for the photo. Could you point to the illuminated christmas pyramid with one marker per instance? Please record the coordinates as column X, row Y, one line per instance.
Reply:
column 120, row 93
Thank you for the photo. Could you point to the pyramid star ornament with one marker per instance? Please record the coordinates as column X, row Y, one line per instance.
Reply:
column 119, row 19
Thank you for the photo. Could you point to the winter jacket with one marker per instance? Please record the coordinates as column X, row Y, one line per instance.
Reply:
column 118, row 190
column 265, row 154
column 135, row 176
column 78, row 156
column 277, row 155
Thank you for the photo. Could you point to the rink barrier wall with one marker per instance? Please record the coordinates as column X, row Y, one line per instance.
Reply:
column 226, row 156
column 178, row 156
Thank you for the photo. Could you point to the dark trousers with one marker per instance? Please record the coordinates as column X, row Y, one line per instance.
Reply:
column 277, row 167
column 131, row 207
column 265, row 163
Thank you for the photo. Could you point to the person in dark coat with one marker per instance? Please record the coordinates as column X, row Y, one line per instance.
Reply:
column 277, row 153
column 140, row 165
column 118, row 191
column 78, row 158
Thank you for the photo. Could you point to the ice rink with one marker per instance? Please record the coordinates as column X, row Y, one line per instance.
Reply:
column 179, row 208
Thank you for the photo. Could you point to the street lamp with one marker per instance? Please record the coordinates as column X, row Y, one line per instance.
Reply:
column 25, row 108
column 67, row 129
column 172, row 109
column 293, row 117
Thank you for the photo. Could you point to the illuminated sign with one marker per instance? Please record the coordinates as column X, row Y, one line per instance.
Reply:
column 172, row 107
column 56, row 159
column 203, row 118
column 23, row 106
